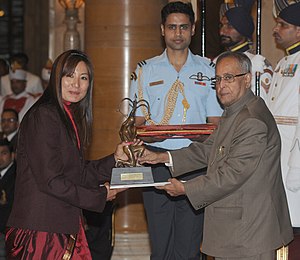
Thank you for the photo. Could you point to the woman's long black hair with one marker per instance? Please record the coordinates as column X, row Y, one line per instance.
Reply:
column 65, row 64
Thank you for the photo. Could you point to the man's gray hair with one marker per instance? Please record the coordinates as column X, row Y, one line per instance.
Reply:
column 242, row 59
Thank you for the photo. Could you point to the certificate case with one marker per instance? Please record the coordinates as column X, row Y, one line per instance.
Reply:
column 190, row 131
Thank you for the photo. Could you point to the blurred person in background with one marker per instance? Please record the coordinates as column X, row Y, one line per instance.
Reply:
column 236, row 30
column 20, row 61
column 284, row 103
column 20, row 100
column 10, row 126
column 7, row 187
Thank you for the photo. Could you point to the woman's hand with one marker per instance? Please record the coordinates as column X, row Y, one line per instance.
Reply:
column 112, row 193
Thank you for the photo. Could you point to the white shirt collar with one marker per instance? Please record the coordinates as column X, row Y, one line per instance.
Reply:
column 11, row 135
column 2, row 173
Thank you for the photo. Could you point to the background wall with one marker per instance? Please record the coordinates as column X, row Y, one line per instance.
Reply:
column 36, row 33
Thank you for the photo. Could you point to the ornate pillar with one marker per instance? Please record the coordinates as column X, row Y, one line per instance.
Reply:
column 57, row 27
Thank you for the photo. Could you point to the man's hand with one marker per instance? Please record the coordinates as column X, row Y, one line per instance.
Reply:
column 119, row 153
column 153, row 157
column 176, row 188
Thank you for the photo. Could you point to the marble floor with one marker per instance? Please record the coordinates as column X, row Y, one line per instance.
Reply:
column 133, row 247
column 137, row 247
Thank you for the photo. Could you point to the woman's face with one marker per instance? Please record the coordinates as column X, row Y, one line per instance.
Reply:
column 75, row 86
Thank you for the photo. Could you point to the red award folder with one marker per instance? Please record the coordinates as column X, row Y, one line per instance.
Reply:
column 161, row 132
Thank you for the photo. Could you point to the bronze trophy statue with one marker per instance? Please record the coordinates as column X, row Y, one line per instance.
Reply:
column 128, row 133
column 130, row 173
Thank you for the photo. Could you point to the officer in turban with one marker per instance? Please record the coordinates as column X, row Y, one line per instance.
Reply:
column 284, row 103
column 236, row 29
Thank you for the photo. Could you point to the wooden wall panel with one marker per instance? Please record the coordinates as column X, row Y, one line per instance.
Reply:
column 36, row 34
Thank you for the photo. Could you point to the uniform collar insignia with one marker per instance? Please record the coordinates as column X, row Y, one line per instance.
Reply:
column 245, row 46
column 293, row 49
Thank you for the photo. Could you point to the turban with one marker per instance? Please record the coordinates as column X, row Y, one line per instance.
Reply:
column 239, row 16
column 18, row 74
column 288, row 10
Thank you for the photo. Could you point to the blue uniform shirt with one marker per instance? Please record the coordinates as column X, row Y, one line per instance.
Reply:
column 157, row 77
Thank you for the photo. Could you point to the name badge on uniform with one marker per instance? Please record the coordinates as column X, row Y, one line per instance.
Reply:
column 155, row 83
column 200, row 83
column 200, row 79
column 289, row 70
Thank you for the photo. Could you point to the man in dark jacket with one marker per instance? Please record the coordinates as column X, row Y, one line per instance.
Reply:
column 7, row 184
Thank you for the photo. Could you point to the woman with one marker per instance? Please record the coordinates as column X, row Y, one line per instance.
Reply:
column 54, row 182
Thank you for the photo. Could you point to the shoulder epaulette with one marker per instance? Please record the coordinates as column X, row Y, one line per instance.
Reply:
column 212, row 64
column 133, row 76
column 142, row 63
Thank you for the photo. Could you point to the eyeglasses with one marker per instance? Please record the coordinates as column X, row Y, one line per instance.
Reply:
column 8, row 120
column 228, row 78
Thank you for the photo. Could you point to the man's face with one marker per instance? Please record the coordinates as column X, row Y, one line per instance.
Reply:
column 229, row 93
column 9, row 122
column 229, row 36
column 17, row 86
column 6, row 157
column 177, row 31
column 285, row 34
